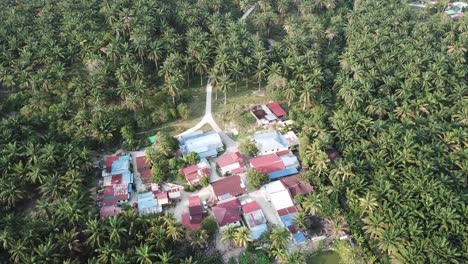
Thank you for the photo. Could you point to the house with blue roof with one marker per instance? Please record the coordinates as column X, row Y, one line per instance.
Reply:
column 254, row 218
column 281, row 194
column 205, row 144
column 148, row 204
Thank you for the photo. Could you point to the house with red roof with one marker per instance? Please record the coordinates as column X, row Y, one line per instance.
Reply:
column 281, row 195
column 277, row 110
column 143, row 167
column 162, row 198
column 267, row 163
column 228, row 187
column 115, row 194
column 227, row 213
column 276, row 166
column 231, row 163
column 295, row 186
column 193, row 218
column 109, row 211
column 109, row 161
column 121, row 178
column 194, row 173
column 255, row 219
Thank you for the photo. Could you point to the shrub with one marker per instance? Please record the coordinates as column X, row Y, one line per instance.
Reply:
column 210, row 225
column 204, row 181
column 248, row 148
column 183, row 111
column 256, row 179
column 191, row 158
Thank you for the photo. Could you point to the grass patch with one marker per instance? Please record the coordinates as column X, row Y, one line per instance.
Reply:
column 236, row 112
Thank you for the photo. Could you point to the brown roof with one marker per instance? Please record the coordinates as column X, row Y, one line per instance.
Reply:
column 232, row 185
column 142, row 164
column 288, row 210
column 227, row 211
column 295, row 186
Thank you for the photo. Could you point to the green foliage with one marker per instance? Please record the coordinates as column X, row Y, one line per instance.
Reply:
column 255, row 256
column 256, row 178
column 128, row 134
column 385, row 91
column 210, row 225
column 183, row 111
column 248, row 148
column 205, row 181
column 192, row 158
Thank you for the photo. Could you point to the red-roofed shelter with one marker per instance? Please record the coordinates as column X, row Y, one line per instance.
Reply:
column 231, row 163
column 267, row 163
column 228, row 187
column 227, row 212
column 277, row 110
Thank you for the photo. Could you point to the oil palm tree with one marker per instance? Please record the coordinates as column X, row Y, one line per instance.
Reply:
column 312, row 203
column 296, row 257
column 242, row 237
column 165, row 257
column 94, row 233
column 229, row 234
column 279, row 237
column 225, row 85
column 368, row 203
column 300, row 219
column 115, row 229
column 174, row 231
column 306, row 95
column 144, row 255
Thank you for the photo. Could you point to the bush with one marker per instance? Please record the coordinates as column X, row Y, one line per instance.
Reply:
column 210, row 225
column 204, row 181
column 183, row 111
column 189, row 188
column 256, row 179
column 191, row 158
column 248, row 148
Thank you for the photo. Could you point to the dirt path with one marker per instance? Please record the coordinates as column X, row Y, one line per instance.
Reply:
column 230, row 144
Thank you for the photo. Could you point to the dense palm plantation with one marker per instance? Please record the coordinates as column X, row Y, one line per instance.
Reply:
column 399, row 125
column 378, row 93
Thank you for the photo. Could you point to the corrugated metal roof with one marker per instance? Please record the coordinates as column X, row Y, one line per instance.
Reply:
column 282, row 173
column 258, row 231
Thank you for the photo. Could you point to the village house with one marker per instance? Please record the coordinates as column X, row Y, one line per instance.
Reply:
column 193, row 218
column 117, row 165
column 291, row 138
column 276, row 166
column 147, row 204
column 116, row 183
column 205, row 144
column 162, row 198
column 277, row 110
column 269, row 113
column 228, row 187
column 231, row 163
column 268, row 142
column 143, row 168
column 194, row 173
column 115, row 194
column 254, row 218
column 281, row 195
column 121, row 178
column 227, row 213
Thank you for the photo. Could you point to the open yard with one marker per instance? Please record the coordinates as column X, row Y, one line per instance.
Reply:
column 235, row 114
